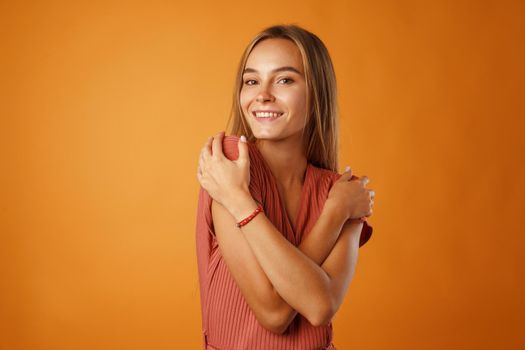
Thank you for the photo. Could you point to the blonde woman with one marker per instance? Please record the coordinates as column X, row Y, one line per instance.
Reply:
column 278, row 229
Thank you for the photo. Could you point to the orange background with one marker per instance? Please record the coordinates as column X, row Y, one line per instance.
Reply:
column 105, row 106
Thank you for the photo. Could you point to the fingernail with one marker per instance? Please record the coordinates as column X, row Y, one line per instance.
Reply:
column 347, row 169
column 243, row 138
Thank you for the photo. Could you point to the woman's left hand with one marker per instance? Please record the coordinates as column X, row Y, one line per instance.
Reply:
column 223, row 179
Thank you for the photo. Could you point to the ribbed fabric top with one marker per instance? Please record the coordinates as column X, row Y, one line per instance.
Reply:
column 227, row 321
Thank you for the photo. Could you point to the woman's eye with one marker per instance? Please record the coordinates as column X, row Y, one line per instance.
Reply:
column 252, row 82
column 288, row 79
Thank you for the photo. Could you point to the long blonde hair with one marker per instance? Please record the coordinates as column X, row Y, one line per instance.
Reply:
column 321, row 129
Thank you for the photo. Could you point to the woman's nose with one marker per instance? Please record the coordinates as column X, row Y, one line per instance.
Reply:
column 264, row 95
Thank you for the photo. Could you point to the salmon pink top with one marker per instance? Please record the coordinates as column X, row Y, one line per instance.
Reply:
column 228, row 323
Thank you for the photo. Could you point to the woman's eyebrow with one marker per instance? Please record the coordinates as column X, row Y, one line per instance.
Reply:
column 280, row 69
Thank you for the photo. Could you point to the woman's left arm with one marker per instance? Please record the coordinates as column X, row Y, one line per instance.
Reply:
column 300, row 281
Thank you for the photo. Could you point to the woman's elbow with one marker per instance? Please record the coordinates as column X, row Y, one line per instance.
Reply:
column 273, row 322
column 323, row 314
column 278, row 328
column 278, row 322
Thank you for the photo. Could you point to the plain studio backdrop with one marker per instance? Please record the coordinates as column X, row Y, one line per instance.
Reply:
column 105, row 105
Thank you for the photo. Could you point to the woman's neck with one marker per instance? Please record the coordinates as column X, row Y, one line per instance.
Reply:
column 286, row 160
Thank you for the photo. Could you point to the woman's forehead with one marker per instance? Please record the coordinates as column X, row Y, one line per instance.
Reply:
column 274, row 53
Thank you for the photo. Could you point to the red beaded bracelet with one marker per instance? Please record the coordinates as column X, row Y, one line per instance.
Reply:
column 250, row 217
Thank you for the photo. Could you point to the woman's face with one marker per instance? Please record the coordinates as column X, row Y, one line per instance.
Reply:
column 273, row 94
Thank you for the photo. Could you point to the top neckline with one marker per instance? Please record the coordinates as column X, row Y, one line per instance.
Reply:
column 293, row 227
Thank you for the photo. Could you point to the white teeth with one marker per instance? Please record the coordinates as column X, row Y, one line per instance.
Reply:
column 267, row 115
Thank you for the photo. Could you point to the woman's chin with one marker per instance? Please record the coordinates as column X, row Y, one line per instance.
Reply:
column 264, row 135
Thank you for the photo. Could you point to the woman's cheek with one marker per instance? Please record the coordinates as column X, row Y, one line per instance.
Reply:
column 244, row 103
column 298, row 101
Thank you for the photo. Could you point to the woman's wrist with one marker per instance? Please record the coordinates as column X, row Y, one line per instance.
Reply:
column 335, row 211
column 241, row 205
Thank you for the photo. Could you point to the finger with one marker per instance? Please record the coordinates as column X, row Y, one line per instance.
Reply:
column 243, row 149
column 217, row 145
column 206, row 150
column 364, row 180
column 202, row 164
column 347, row 175
column 199, row 169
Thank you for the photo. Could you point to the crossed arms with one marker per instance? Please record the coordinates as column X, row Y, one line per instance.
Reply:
column 279, row 280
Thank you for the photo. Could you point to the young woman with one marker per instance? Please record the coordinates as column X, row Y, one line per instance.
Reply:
column 278, row 229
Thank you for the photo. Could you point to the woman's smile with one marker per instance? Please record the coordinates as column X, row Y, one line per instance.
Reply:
column 264, row 117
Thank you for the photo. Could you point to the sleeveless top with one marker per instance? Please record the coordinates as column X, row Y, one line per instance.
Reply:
column 228, row 323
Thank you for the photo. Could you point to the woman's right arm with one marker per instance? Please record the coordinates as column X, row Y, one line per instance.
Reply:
column 270, row 309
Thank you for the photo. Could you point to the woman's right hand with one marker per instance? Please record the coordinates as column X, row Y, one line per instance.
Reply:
column 349, row 194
